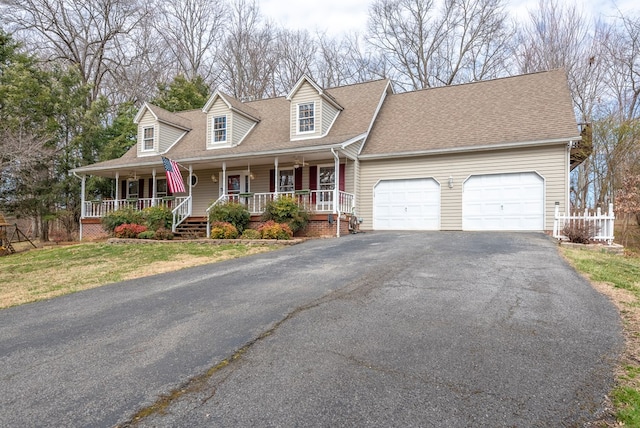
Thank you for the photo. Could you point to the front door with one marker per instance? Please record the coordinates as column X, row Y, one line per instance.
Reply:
column 236, row 182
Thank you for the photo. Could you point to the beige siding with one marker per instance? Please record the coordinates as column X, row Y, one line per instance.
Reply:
column 241, row 127
column 329, row 113
column 550, row 162
column 205, row 192
column 219, row 108
column 146, row 121
column 305, row 94
column 167, row 136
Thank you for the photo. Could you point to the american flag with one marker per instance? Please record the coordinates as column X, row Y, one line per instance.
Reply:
column 174, row 178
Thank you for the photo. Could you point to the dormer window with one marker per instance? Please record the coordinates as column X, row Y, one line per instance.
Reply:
column 148, row 138
column 220, row 129
column 306, row 117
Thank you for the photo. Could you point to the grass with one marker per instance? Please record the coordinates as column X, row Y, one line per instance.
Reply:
column 619, row 278
column 50, row 272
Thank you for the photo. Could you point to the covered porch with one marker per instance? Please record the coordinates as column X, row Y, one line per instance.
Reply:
column 323, row 186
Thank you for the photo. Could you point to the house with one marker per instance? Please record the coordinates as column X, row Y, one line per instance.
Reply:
column 491, row 155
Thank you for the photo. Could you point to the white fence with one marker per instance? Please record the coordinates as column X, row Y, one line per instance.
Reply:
column 600, row 225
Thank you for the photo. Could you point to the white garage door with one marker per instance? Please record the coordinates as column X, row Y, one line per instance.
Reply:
column 503, row 202
column 406, row 205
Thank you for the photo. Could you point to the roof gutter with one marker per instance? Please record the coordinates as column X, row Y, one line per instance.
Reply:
column 470, row 148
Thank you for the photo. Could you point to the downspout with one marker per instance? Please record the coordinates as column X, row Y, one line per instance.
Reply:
column 190, row 189
column 336, row 189
column 154, row 192
column 276, row 177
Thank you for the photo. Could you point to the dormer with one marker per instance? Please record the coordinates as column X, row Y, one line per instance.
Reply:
column 313, row 110
column 158, row 129
column 229, row 121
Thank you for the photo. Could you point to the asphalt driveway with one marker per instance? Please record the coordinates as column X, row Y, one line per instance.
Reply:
column 377, row 329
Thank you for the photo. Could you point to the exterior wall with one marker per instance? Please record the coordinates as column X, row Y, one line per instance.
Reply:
column 551, row 162
column 219, row 108
column 167, row 136
column 305, row 94
column 146, row 121
column 329, row 114
column 241, row 127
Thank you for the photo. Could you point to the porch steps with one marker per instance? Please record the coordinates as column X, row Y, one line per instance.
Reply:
column 191, row 228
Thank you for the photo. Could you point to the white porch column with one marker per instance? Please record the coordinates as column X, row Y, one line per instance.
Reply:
column 224, row 179
column 276, row 176
column 154, row 191
column 83, row 187
column 190, row 189
column 117, row 189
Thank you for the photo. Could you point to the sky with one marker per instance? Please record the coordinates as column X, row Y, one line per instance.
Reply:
column 339, row 16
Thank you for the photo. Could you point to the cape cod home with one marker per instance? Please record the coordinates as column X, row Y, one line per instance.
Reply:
column 491, row 155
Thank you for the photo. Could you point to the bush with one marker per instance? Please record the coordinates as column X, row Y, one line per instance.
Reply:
column 231, row 212
column 223, row 230
column 147, row 234
column 157, row 217
column 579, row 232
column 286, row 209
column 251, row 234
column 129, row 230
column 120, row 217
column 273, row 230
column 164, row 234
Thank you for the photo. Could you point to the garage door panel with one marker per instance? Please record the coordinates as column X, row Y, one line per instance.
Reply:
column 412, row 204
column 512, row 201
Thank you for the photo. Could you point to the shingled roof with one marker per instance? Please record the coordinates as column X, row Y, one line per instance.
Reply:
column 533, row 108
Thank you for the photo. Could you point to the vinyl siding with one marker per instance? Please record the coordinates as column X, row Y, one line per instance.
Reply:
column 241, row 127
column 306, row 94
column 146, row 121
column 167, row 136
column 549, row 161
column 329, row 114
column 219, row 108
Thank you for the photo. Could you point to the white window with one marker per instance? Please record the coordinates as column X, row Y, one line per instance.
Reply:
column 286, row 181
column 306, row 117
column 220, row 129
column 326, row 184
column 148, row 138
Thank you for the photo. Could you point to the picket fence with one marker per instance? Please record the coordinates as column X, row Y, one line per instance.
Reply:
column 601, row 224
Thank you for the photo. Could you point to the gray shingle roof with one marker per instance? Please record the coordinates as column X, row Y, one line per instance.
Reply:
column 528, row 108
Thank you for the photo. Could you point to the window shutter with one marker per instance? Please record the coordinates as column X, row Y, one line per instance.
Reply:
column 297, row 178
column 141, row 188
column 341, row 178
column 313, row 177
column 151, row 187
column 272, row 180
column 123, row 188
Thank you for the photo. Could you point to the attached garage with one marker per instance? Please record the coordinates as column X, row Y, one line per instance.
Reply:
column 408, row 204
column 513, row 201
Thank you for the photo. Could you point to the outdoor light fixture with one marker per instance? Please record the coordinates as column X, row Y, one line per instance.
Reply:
column 214, row 178
column 450, row 182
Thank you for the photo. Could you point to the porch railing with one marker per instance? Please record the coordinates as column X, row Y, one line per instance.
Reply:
column 311, row 200
column 181, row 212
column 600, row 225
column 97, row 209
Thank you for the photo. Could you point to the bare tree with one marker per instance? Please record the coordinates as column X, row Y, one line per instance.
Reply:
column 82, row 33
column 462, row 41
column 192, row 29
column 249, row 58
column 296, row 52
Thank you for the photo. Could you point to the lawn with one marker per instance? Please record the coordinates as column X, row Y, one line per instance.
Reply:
column 618, row 277
column 54, row 271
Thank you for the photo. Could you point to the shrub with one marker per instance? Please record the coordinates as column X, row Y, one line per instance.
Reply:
column 286, row 209
column 147, row 234
column 273, row 230
column 579, row 232
column 164, row 234
column 129, row 230
column 231, row 212
column 251, row 234
column 157, row 217
column 119, row 217
column 223, row 230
